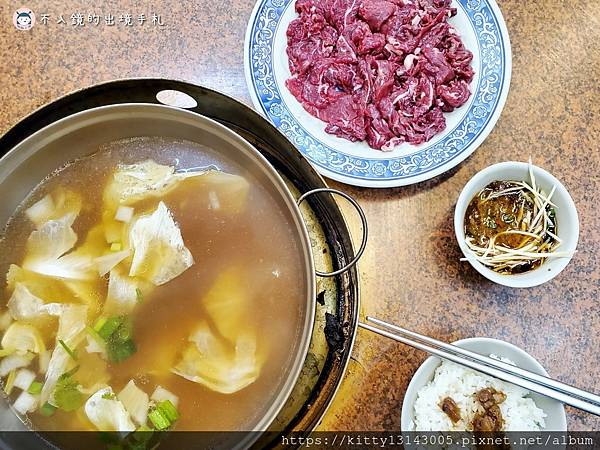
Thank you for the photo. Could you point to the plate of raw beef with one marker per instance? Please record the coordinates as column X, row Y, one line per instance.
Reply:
column 379, row 93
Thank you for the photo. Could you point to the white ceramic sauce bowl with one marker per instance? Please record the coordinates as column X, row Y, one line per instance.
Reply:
column 556, row 419
column 566, row 219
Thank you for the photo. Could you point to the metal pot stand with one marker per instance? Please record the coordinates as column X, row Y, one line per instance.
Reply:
column 337, row 303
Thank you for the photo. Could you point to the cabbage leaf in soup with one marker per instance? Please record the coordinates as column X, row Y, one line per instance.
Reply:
column 227, row 361
column 211, row 362
column 132, row 183
column 72, row 301
column 159, row 253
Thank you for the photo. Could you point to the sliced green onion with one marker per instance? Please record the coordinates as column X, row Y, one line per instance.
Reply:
column 116, row 332
column 109, row 396
column 95, row 336
column 143, row 433
column 144, row 428
column 115, row 447
column 100, row 323
column 120, row 350
column 508, row 218
column 47, row 409
column 71, row 353
column 109, row 326
column 124, row 332
column 10, row 381
column 490, row 222
column 6, row 351
column 133, row 445
column 109, row 437
column 159, row 420
column 168, row 410
column 137, row 445
column 35, row 387
column 138, row 295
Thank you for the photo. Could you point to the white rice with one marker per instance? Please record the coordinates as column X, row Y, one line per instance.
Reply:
column 519, row 411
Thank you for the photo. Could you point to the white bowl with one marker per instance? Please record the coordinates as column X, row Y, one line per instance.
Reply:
column 556, row 419
column 566, row 218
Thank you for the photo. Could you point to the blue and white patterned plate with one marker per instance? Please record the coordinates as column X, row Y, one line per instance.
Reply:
column 483, row 31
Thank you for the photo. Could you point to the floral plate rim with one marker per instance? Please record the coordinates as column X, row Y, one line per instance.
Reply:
column 427, row 162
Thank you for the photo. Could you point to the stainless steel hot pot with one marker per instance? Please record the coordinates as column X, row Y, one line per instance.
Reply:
column 81, row 133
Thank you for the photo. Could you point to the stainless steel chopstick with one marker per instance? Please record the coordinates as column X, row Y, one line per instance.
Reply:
column 549, row 382
column 548, row 387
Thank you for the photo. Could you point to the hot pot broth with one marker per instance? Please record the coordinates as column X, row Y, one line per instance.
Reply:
column 217, row 337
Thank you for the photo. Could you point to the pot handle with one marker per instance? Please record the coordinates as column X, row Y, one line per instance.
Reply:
column 363, row 219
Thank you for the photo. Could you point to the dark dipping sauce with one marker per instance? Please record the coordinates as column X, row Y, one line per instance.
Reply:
column 492, row 212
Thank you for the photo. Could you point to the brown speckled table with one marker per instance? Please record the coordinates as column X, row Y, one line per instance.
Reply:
column 410, row 273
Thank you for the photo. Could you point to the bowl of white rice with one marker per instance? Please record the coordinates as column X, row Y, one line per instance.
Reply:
column 439, row 385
